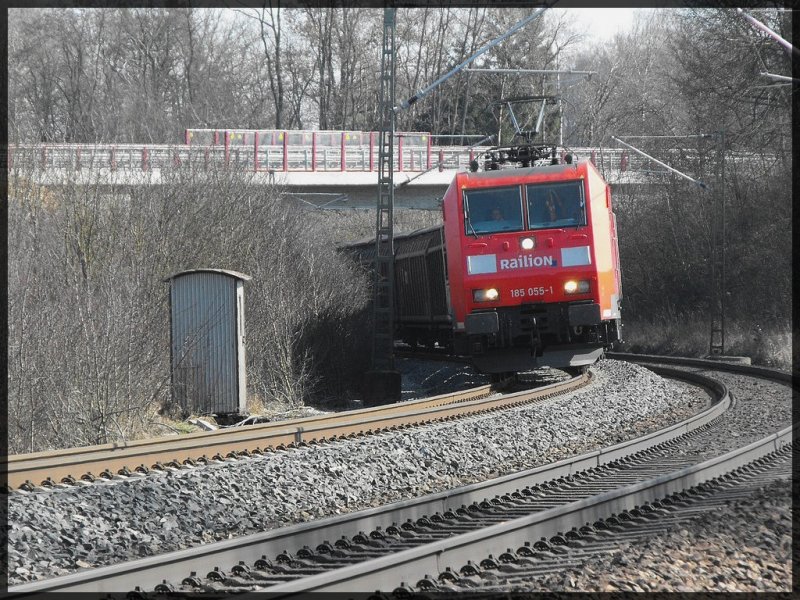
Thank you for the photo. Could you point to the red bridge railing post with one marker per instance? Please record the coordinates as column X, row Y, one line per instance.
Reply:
column 428, row 164
column 255, row 152
column 371, row 150
column 227, row 140
column 77, row 159
column 314, row 151
column 113, row 158
column 441, row 159
column 145, row 159
column 399, row 152
column 285, row 150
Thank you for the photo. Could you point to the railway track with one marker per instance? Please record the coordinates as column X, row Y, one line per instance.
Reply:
column 524, row 567
column 590, row 497
column 136, row 458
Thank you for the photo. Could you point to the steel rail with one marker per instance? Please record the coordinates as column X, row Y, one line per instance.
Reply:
column 714, row 364
column 143, row 455
column 455, row 551
column 149, row 572
column 563, row 552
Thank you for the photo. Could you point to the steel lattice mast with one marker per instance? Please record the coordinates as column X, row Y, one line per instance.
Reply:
column 717, row 344
column 718, row 235
column 382, row 306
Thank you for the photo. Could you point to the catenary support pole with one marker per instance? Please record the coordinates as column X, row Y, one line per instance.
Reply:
column 383, row 383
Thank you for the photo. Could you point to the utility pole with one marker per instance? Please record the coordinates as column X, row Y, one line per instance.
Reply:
column 717, row 249
column 560, row 106
column 382, row 383
column 717, row 344
column 560, row 112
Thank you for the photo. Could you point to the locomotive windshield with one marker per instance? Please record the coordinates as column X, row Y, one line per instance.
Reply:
column 492, row 210
column 556, row 205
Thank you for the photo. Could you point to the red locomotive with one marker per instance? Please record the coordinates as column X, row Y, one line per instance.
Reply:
column 523, row 273
column 533, row 266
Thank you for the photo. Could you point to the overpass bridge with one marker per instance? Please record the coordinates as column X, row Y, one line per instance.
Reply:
column 306, row 162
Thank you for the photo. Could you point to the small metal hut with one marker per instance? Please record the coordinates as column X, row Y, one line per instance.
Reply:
column 207, row 341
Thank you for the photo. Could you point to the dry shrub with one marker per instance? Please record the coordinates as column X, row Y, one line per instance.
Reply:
column 88, row 307
column 766, row 346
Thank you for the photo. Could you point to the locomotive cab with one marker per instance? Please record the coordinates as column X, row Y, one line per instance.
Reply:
column 533, row 266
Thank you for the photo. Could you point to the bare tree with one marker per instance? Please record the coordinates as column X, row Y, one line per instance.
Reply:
column 686, row 72
column 88, row 310
column 269, row 21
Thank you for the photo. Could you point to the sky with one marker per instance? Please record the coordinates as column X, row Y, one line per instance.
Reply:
column 601, row 23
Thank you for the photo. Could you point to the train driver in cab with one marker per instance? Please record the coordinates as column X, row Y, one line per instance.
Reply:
column 553, row 208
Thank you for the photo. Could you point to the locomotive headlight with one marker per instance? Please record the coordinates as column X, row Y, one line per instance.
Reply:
column 573, row 286
column 485, row 295
column 527, row 243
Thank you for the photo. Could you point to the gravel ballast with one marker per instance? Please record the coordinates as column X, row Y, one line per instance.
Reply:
column 426, row 378
column 57, row 532
column 745, row 547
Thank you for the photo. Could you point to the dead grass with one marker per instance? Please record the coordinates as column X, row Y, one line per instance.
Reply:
column 179, row 427
column 268, row 408
column 766, row 346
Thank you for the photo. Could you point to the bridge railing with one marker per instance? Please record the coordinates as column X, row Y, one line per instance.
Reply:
column 613, row 163
column 128, row 157
column 144, row 157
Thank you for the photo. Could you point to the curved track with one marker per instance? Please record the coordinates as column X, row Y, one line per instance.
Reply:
column 27, row 471
column 494, row 516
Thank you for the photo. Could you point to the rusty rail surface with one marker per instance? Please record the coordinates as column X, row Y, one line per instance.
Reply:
column 26, row 471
